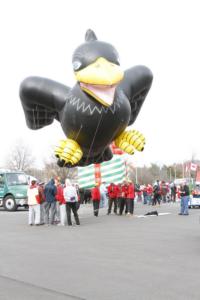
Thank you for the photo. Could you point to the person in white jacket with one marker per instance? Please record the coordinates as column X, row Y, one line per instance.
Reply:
column 71, row 198
column 103, row 192
column 34, row 204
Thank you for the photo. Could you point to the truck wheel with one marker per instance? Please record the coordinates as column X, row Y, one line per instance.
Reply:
column 9, row 203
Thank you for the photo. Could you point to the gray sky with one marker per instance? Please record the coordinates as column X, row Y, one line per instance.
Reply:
column 38, row 38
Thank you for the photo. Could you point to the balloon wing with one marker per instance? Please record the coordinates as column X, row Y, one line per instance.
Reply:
column 42, row 100
column 136, row 85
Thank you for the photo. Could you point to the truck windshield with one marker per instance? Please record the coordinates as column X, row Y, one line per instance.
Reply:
column 16, row 179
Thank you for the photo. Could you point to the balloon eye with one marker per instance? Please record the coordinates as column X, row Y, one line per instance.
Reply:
column 76, row 65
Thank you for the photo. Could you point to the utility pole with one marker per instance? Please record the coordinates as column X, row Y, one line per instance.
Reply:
column 183, row 171
column 170, row 174
column 175, row 172
column 136, row 175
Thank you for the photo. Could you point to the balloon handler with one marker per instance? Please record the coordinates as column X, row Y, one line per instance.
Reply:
column 96, row 111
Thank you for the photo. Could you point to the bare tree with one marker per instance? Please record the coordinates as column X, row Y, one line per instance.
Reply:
column 51, row 169
column 20, row 157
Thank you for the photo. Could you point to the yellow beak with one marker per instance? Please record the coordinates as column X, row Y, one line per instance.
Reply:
column 100, row 80
column 101, row 72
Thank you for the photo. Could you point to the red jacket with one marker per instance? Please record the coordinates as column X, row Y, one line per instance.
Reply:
column 41, row 194
column 149, row 189
column 119, row 191
column 95, row 192
column 59, row 195
column 124, row 190
column 131, row 191
column 164, row 189
column 112, row 191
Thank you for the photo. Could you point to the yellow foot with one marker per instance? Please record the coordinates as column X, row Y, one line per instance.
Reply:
column 69, row 151
column 128, row 141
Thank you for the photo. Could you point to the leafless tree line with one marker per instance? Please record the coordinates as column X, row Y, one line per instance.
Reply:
column 21, row 158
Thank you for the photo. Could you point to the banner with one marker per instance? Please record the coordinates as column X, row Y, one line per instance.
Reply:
column 113, row 170
column 198, row 176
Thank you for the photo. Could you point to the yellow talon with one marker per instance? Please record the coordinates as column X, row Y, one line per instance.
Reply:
column 128, row 140
column 59, row 149
column 69, row 151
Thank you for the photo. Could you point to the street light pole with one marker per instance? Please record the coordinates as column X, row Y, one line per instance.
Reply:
column 175, row 172
column 136, row 175
column 183, row 173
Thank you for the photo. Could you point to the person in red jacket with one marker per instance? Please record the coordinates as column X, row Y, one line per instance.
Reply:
column 112, row 194
column 62, row 203
column 124, row 194
column 96, row 197
column 122, row 198
column 130, row 198
column 42, row 202
column 149, row 193
column 119, row 198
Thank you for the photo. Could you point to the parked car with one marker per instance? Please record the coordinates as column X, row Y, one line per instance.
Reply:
column 13, row 189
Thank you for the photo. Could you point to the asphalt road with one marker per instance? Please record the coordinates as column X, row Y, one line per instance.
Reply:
column 106, row 258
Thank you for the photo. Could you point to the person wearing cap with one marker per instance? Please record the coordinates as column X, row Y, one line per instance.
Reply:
column 96, row 197
column 71, row 198
column 33, row 203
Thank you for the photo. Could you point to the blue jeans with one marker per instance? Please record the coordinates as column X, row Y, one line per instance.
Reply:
column 184, row 205
column 145, row 199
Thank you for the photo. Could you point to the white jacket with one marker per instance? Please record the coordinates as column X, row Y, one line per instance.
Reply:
column 33, row 195
column 103, row 189
column 70, row 194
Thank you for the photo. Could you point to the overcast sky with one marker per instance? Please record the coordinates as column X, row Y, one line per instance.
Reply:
column 38, row 38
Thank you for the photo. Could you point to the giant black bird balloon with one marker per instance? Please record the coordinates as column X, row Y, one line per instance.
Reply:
column 96, row 111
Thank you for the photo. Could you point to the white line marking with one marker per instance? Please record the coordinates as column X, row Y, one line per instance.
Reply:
column 159, row 214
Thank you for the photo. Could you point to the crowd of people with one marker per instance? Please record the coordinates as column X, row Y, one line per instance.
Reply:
column 54, row 202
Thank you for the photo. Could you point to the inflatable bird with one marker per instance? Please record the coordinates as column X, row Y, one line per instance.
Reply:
column 96, row 111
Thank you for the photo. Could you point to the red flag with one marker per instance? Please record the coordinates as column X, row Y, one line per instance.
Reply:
column 193, row 167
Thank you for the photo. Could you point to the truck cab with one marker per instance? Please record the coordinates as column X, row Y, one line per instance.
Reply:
column 13, row 189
